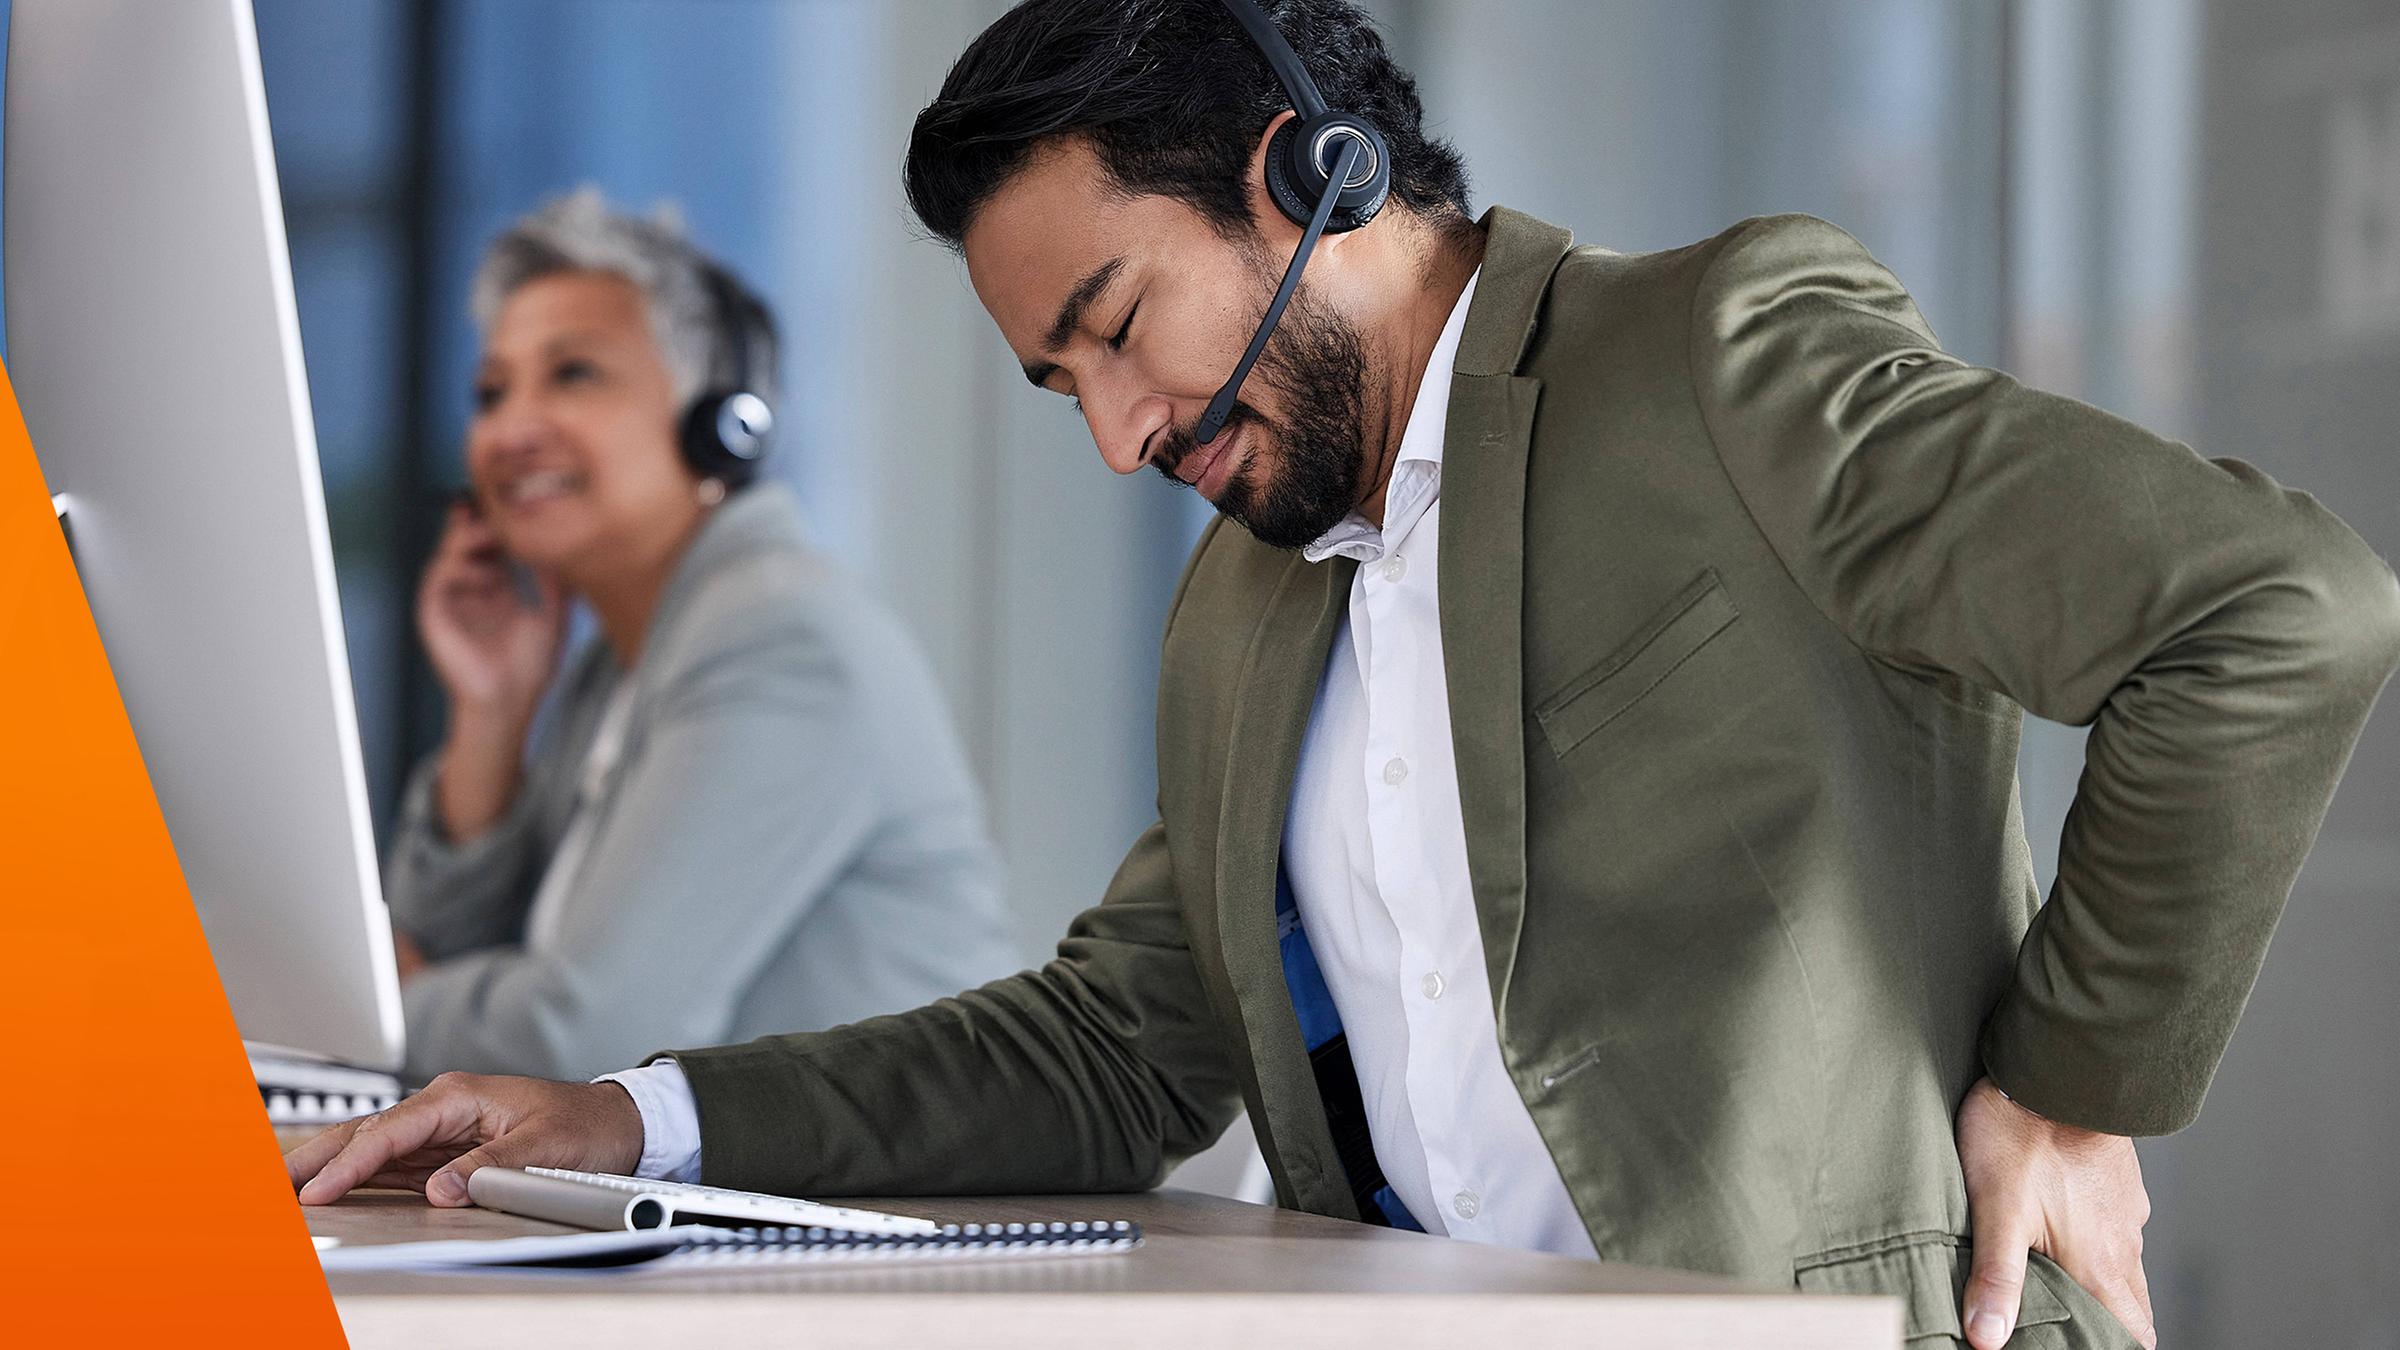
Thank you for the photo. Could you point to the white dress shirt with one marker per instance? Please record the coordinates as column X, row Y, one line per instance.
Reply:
column 670, row 1119
column 1375, row 849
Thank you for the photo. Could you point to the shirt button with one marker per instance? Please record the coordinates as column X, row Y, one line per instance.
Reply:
column 1465, row 1203
column 1396, row 772
column 1395, row 567
column 1432, row 985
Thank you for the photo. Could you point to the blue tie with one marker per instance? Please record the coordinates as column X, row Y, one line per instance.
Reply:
column 1329, row 1058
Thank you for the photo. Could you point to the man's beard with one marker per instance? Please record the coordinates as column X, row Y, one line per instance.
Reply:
column 1317, row 361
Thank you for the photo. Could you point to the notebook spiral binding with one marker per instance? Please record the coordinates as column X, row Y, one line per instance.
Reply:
column 733, row 1245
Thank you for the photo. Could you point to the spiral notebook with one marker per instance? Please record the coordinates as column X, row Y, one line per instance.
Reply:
column 694, row 1247
column 668, row 1224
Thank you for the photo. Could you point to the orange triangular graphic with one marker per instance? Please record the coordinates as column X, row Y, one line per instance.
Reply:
column 149, row 1205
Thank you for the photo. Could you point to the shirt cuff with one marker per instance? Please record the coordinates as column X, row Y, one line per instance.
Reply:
column 670, row 1119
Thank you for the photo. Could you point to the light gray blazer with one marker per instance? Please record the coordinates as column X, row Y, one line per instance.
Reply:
column 790, row 839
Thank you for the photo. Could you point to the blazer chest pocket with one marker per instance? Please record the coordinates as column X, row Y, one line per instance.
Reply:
column 1665, row 640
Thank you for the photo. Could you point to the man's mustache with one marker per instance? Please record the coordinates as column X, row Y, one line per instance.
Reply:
column 1179, row 442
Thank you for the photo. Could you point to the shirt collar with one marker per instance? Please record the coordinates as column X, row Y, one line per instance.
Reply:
column 1417, row 468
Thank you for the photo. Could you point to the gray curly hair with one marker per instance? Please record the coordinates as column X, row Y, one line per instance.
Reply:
column 579, row 233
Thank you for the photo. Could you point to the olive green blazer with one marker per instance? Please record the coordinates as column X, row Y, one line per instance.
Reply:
column 1744, row 584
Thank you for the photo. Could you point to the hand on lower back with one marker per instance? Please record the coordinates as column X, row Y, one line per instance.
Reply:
column 2074, row 1195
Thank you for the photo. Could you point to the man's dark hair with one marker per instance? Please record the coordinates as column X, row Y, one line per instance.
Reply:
column 1172, row 94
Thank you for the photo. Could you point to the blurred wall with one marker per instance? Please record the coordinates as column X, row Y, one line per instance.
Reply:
column 2278, row 1208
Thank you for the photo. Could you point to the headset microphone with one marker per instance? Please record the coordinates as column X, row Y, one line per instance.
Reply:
column 1221, row 407
column 1327, row 171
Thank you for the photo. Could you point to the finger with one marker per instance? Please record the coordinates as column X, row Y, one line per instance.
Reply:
column 400, row 1178
column 448, row 567
column 466, row 539
column 469, row 526
column 485, row 548
column 448, row 1186
column 475, row 583
column 482, row 562
column 380, row 1138
column 457, row 527
column 2130, row 1303
column 1996, row 1282
column 309, row 1156
column 452, row 515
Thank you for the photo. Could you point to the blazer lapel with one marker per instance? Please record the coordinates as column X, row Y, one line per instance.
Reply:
column 1483, row 572
column 1277, row 692
column 1482, row 578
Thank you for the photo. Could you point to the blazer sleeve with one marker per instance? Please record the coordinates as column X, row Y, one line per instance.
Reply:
column 754, row 788
column 2222, row 636
column 455, row 898
column 1094, row 1073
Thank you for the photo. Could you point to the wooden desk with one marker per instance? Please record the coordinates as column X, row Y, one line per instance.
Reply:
column 1212, row 1273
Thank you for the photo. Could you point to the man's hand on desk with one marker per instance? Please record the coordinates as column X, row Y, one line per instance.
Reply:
column 2073, row 1195
column 463, row 1121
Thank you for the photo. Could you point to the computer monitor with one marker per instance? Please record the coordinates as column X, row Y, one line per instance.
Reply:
column 156, row 354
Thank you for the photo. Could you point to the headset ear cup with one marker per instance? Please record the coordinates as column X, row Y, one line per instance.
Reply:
column 704, row 451
column 727, row 430
column 725, row 434
column 698, row 437
column 1294, row 177
column 1296, row 206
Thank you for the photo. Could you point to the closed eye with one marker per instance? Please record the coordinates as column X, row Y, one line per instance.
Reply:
column 1116, row 340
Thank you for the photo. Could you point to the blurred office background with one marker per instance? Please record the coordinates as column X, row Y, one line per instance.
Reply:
column 2186, row 211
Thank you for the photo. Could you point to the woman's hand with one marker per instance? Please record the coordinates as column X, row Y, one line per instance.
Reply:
column 494, row 653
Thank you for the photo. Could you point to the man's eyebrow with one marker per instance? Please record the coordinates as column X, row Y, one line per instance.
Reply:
column 1070, row 313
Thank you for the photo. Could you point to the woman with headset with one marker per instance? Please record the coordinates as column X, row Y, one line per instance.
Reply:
column 745, row 810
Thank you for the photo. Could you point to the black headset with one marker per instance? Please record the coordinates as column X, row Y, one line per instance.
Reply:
column 1329, row 171
column 726, row 430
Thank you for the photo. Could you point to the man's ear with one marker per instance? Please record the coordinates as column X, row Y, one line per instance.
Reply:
column 1277, row 230
column 1267, row 220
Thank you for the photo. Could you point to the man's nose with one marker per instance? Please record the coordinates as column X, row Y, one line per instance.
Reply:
column 1125, row 433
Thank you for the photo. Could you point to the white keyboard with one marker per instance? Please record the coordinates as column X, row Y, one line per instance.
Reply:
column 683, row 1202
column 312, row 1092
column 289, row 1106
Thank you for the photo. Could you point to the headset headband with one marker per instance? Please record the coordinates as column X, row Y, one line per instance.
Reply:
column 1321, row 197
column 1285, row 62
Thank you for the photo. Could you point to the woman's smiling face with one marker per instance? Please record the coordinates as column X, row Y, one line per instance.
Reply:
column 572, row 446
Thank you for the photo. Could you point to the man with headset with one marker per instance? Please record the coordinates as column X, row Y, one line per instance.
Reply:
column 1587, row 812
